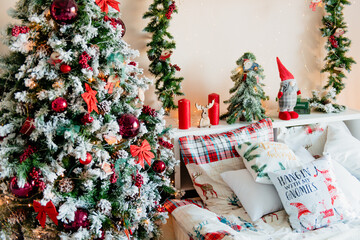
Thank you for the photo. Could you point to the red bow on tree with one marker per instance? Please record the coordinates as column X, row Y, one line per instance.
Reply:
column 49, row 209
column 143, row 153
column 103, row 4
column 90, row 98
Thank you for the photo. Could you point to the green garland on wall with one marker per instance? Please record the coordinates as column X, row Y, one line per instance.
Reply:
column 336, row 61
column 161, row 46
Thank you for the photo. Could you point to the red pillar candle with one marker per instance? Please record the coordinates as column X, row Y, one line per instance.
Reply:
column 214, row 112
column 184, row 114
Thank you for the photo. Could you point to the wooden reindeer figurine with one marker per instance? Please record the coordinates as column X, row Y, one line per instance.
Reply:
column 205, row 120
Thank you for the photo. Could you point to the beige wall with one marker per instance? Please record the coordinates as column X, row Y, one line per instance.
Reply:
column 211, row 35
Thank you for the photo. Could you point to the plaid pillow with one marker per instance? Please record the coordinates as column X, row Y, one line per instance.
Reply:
column 206, row 157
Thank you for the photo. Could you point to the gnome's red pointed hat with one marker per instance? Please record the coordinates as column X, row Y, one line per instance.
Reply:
column 301, row 209
column 284, row 73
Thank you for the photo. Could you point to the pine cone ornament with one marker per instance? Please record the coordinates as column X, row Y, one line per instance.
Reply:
column 66, row 185
column 17, row 216
column 119, row 154
column 104, row 107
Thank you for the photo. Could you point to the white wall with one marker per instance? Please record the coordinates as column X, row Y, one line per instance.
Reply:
column 211, row 35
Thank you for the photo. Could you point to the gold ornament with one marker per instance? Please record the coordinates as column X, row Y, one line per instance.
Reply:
column 58, row 84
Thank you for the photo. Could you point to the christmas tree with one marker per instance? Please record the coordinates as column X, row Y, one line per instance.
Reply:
column 245, row 103
column 81, row 157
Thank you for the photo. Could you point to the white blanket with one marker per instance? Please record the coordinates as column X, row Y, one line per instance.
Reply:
column 199, row 223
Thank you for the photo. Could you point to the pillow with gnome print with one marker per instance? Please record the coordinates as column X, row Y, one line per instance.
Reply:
column 310, row 195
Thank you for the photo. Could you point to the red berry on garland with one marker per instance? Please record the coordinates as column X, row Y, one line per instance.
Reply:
column 59, row 104
column 158, row 166
column 149, row 111
column 64, row 11
column 87, row 118
column 64, row 68
column 20, row 192
column 87, row 160
column 129, row 125
column 80, row 220
column 132, row 63
column 160, row 208
column 139, row 180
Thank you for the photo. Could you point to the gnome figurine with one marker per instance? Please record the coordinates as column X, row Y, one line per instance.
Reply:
column 287, row 94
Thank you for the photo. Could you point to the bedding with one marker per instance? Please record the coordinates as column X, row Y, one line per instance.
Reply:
column 260, row 158
column 200, row 224
column 344, row 148
column 256, row 198
column 311, row 196
column 206, row 157
column 312, row 137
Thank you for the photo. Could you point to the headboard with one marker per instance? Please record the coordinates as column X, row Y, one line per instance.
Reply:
column 182, row 178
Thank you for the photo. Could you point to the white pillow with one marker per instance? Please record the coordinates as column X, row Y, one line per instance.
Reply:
column 343, row 148
column 349, row 185
column 257, row 199
column 260, row 158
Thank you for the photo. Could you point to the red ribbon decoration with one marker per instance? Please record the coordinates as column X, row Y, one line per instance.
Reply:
column 90, row 98
column 49, row 209
column 103, row 4
column 143, row 153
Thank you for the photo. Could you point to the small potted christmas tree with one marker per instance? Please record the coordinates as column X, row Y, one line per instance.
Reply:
column 245, row 103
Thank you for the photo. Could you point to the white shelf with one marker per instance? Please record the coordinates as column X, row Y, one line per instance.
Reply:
column 314, row 117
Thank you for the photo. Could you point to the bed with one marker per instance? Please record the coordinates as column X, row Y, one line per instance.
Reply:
column 217, row 213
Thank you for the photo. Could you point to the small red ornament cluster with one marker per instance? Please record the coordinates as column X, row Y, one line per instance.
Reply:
column 177, row 68
column 139, row 180
column 59, row 105
column 87, row 118
column 83, row 61
column 149, row 111
column 171, row 9
column 81, row 220
column 333, row 41
column 17, row 30
column 165, row 144
column 27, row 153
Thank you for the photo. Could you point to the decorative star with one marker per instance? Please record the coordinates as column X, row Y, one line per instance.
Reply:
column 90, row 98
column 103, row 4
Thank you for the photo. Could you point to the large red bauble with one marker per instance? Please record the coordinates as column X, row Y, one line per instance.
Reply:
column 20, row 192
column 122, row 24
column 59, row 104
column 64, row 68
column 87, row 160
column 158, row 166
column 129, row 125
column 80, row 220
column 64, row 11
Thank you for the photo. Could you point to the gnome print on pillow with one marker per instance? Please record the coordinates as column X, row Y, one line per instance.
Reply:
column 287, row 94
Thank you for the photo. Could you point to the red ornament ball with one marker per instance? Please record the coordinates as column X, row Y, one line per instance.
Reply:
column 81, row 220
column 158, row 166
column 20, row 192
column 64, row 68
column 59, row 104
column 87, row 118
column 64, row 11
column 129, row 125
column 122, row 24
column 87, row 160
